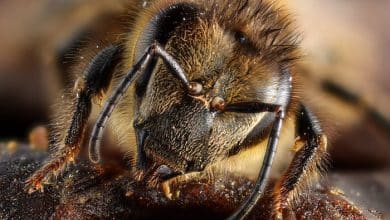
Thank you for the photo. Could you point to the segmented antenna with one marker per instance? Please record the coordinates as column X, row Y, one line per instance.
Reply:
column 261, row 181
column 155, row 49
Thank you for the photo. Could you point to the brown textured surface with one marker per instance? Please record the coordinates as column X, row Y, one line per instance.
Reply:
column 82, row 193
column 14, row 202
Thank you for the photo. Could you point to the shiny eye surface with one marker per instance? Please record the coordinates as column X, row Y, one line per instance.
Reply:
column 244, row 42
column 241, row 38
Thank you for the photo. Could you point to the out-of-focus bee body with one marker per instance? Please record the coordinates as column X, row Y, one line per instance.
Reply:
column 215, row 88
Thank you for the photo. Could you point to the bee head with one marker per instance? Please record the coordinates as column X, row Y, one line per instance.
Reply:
column 237, row 53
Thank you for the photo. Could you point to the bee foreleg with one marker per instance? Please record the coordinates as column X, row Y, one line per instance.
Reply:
column 95, row 81
column 166, row 186
column 306, row 163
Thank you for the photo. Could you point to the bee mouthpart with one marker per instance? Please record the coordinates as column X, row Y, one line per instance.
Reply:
column 163, row 172
column 155, row 175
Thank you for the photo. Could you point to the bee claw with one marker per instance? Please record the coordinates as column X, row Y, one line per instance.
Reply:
column 177, row 194
column 35, row 183
column 31, row 187
column 167, row 190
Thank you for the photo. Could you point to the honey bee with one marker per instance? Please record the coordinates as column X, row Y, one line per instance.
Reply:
column 195, row 89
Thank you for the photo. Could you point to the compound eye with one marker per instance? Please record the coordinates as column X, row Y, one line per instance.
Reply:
column 218, row 103
column 195, row 88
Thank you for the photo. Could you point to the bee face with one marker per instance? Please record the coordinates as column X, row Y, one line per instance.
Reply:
column 211, row 78
column 186, row 132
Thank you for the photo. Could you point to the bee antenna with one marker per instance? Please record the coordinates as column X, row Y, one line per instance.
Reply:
column 193, row 88
column 97, row 132
column 245, row 208
column 155, row 49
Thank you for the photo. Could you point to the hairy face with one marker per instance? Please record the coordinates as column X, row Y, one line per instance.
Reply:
column 230, row 61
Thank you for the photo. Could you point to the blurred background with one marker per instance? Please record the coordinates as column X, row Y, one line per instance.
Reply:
column 345, row 72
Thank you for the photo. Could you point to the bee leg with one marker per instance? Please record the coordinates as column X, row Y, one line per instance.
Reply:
column 95, row 81
column 182, row 179
column 306, row 164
